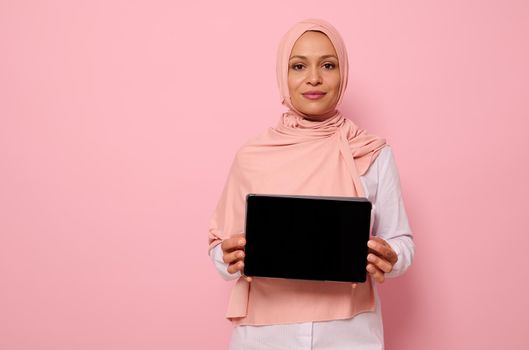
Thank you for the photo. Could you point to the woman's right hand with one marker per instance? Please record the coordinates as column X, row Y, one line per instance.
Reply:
column 233, row 254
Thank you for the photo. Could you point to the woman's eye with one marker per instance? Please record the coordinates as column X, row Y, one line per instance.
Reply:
column 329, row 65
column 297, row 66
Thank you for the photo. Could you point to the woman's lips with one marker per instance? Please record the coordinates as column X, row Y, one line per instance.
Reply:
column 313, row 95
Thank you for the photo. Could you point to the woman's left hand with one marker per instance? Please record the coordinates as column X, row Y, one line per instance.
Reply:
column 380, row 258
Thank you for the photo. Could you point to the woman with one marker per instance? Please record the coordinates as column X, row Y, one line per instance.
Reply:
column 313, row 150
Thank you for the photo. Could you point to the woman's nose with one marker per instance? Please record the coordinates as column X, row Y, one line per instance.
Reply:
column 314, row 77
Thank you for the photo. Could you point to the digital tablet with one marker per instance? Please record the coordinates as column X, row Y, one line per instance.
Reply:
column 307, row 237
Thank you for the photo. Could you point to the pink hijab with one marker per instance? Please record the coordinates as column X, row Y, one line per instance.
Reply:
column 304, row 157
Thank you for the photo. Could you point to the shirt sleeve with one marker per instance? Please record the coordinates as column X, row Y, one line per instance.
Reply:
column 220, row 265
column 391, row 221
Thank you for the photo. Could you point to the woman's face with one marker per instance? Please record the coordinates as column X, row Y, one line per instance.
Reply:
column 314, row 75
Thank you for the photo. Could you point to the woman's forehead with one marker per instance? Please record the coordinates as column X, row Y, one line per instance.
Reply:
column 314, row 43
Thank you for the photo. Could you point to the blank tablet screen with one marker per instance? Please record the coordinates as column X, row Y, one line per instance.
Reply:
column 307, row 237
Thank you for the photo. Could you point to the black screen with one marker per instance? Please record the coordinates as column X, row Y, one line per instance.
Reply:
column 307, row 237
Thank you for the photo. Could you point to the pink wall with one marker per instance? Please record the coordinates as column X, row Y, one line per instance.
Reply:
column 119, row 120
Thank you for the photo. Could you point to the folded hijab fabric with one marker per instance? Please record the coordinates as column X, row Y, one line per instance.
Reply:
column 301, row 157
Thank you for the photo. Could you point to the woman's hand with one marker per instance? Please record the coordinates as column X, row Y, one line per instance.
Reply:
column 233, row 253
column 381, row 258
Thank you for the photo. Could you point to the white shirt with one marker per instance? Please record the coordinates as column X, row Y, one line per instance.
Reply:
column 364, row 331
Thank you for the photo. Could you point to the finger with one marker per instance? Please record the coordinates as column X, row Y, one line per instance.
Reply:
column 375, row 272
column 235, row 242
column 233, row 268
column 247, row 278
column 382, row 249
column 233, row 256
column 380, row 240
column 375, row 244
column 382, row 264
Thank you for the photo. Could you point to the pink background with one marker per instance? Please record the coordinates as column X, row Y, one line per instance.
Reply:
column 119, row 120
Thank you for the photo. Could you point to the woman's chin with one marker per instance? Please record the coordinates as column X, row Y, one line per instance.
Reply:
column 317, row 115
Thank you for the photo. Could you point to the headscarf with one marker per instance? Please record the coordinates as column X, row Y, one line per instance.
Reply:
column 303, row 157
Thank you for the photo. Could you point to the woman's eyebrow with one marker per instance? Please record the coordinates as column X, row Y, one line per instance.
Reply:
column 298, row 56
column 305, row 57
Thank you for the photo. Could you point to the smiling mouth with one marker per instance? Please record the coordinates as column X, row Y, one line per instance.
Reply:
column 313, row 95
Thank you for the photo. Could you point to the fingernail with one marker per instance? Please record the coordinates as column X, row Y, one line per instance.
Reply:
column 241, row 242
column 371, row 244
column 371, row 257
